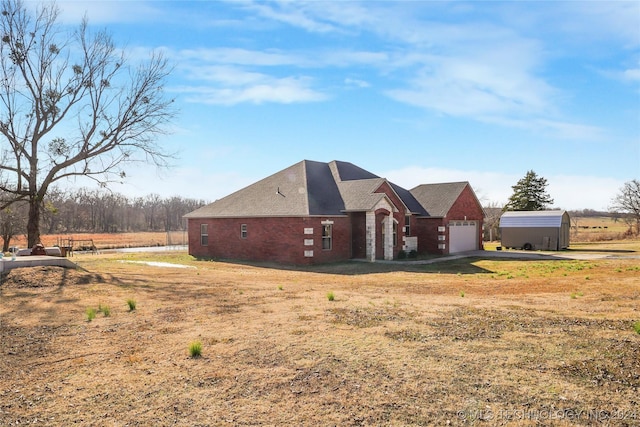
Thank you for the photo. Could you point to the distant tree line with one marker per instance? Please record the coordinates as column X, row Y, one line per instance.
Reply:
column 98, row 211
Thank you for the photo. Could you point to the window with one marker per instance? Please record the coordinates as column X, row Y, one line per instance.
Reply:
column 407, row 225
column 395, row 233
column 243, row 231
column 326, row 236
column 204, row 234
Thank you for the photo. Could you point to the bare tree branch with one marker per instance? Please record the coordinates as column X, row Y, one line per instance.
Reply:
column 71, row 105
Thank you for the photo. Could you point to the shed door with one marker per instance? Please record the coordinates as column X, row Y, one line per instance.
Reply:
column 463, row 236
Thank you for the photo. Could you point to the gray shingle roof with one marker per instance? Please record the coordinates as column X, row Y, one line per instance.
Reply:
column 318, row 188
column 281, row 194
column 437, row 199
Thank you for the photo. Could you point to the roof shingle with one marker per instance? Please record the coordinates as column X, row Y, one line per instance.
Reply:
column 318, row 188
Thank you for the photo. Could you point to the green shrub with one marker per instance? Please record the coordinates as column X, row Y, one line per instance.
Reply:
column 331, row 296
column 402, row 254
column 132, row 304
column 413, row 254
column 91, row 314
column 195, row 349
column 462, row 294
column 636, row 327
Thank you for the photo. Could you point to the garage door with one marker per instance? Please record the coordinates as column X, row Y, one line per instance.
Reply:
column 463, row 236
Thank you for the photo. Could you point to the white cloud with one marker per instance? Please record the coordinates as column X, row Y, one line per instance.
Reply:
column 289, row 13
column 237, row 56
column 573, row 192
column 632, row 74
column 258, row 90
column 349, row 82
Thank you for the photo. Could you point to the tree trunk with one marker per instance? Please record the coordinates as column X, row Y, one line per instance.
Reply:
column 6, row 240
column 33, row 224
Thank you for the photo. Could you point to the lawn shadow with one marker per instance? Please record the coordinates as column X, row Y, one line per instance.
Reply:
column 442, row 265
column 606, row 251
column 361, row 267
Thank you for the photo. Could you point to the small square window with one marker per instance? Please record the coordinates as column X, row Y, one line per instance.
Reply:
column 243, row 231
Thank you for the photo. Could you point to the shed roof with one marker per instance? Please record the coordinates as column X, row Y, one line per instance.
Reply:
column 533, row 219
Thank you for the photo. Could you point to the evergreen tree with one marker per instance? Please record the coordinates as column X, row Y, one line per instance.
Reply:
column 529, row 194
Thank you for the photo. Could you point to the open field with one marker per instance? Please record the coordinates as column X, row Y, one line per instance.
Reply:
column 465, row 342
column 111, row 240
column 589, row 229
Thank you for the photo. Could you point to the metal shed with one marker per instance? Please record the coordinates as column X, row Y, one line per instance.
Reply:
column 541, row 230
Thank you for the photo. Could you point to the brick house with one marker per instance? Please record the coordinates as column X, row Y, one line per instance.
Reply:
column 314, row 212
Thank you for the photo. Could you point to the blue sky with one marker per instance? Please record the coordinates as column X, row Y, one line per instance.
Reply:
column 414, row 91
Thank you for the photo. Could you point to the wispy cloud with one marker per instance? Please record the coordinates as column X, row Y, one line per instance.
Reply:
column 568, row 191
column 357, row 83
column 238, row 56
column 258, row 90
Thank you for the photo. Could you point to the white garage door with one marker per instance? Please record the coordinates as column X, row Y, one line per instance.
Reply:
column 463, row 236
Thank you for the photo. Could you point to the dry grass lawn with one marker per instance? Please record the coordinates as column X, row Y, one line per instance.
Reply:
column 466, row 342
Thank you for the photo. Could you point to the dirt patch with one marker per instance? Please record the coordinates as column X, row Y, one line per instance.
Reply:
column 47, row 277
column 484, row 342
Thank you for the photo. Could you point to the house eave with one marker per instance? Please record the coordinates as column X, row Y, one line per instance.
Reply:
column 265, row 216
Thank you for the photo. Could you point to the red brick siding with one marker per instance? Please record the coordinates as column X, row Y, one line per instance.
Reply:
column 466, row 205
column 270, row 239
column 358, row 235
column 427, row 231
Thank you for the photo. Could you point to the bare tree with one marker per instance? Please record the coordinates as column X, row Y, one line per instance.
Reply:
column 71, row 106
column 627, row 202
column 493, row 211
column 11, row 224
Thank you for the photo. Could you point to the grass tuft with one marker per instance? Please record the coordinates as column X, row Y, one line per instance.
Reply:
column 195, row 349
column 462, row 294
column 91, row 314
column 636, row 327
column 331, row 296
column 132, row 304
column 104, row 309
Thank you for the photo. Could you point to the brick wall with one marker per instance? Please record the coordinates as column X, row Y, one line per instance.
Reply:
column 279, row 239
column 466, row 205
column 427, row 231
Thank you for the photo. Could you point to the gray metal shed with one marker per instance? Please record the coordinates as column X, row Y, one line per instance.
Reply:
column 541, row 230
